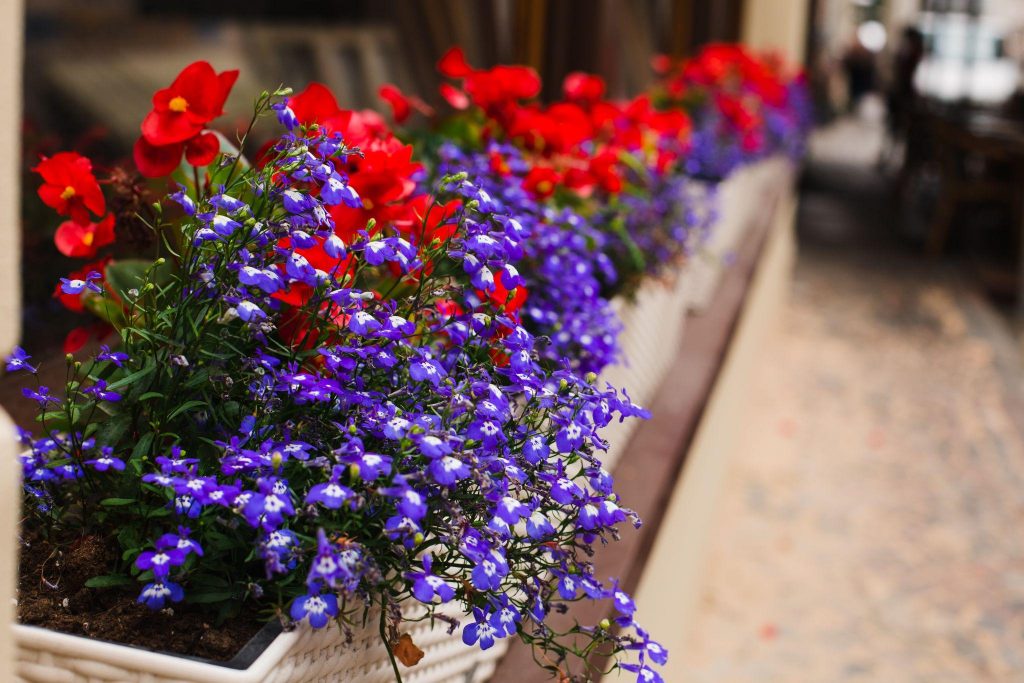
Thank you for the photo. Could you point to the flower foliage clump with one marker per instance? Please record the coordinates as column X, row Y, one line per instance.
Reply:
column 324, row 394
column 744, row 107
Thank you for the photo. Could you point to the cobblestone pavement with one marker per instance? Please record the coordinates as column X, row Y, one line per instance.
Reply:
column 872, row 525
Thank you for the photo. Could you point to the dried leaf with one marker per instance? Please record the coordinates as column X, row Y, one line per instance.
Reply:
column 406, row 651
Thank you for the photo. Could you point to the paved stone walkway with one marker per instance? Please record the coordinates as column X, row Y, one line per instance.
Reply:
column 872, row 527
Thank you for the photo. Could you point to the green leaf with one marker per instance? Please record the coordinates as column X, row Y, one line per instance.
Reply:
column 108, row 581
column 209, row 581
column 142, row 446
column 129, row 538
column 116, row 502
column 125, row 274
column 187, row 405
column 113, row 430
column 198, row 378
column 133, row 377
column 211, row 596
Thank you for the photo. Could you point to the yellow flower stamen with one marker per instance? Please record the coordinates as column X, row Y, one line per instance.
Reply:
column 68, row 193
column 87, row 238
column 178, row 104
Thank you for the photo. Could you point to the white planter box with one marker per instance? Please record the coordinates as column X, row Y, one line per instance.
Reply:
column 653, row 326
column 742, row 196
column 299, row 656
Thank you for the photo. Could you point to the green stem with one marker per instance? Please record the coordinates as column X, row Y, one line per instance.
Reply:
column 384, row 639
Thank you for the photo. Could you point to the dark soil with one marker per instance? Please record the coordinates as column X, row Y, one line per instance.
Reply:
column 112, row 614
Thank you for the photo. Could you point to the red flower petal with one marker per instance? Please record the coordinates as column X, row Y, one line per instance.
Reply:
column 76, row 339
column 583, row 87
column 157, row 161
column 453, row 64
column 315, row 104
column 182, row 110
column 70, row 171
column 227, row 81
column 78, row 240
column 202, row 149
column 168, row 127
column 400, row 108
column 455, row 97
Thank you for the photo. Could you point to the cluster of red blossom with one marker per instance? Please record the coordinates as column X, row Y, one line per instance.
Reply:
column 582, row 144
column 576, row 143
column 730, row 80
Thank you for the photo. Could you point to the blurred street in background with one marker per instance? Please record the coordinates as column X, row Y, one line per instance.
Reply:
column 867, row 529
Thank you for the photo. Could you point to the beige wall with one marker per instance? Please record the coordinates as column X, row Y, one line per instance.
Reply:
column 672, row 580
column 777, row 25
column 11, row 34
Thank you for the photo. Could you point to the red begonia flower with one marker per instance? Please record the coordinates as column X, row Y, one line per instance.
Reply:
column 501, row 85
column 181, row 111
column 202, row 149
column 383, row 178
column 157, row 161
column 661, row 64
column 505, row 300
column 402, row 105
column 69, row 186
column 80, row 336
column 541, row 181
column 178, row 120
column 453, row 64
column 604, row 167
column 583, row 87
column 453, row 96
column 82, row 241
column 493, row 90
column 316, row 104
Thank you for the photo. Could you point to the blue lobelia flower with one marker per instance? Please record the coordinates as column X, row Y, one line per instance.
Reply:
column 155, row 595
column 426, row 585
column 18, row 360
column 448, row 470
column 285, row 116
column 317, row 607
column 331, row 494
column 117, row 358
column 106, row 461
column 480, row 631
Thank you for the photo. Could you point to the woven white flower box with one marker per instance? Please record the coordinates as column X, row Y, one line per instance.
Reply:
column 300, row 656
column 741, row 198
column 653, row 326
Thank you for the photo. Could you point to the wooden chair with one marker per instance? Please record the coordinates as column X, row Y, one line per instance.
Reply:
column 974, row 167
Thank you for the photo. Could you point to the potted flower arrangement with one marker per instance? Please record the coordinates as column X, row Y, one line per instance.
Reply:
column 596, row 184
column 750, row 122
column 322, row 409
